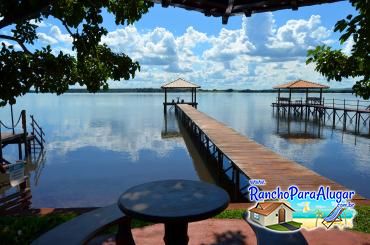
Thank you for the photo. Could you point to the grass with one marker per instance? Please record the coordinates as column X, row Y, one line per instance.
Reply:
column 24, row 229
column 231, row 214
column 277, row 227
column 361, row 222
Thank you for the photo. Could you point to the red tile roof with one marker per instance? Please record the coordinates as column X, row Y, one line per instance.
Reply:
column 266, row 208
column 301, row 84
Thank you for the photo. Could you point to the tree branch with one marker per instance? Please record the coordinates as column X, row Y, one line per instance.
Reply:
column 28, row 11
column 18, row 41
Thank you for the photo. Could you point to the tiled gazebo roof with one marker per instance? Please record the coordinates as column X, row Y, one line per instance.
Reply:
column 300, row 84
column 180, row 83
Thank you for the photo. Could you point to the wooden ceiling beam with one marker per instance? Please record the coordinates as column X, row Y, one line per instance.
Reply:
column 228, row 11
column 166, row 3
column 227, row 8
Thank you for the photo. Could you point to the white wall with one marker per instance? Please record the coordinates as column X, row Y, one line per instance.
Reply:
column 273, row 218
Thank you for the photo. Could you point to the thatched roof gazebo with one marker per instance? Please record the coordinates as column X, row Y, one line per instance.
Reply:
column 300, row 85
column 227, row 8
column 180, row 84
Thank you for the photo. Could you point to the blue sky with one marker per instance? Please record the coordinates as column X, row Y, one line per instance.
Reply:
column 256, row 53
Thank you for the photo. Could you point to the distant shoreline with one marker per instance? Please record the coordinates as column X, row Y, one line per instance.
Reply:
column 158, row 90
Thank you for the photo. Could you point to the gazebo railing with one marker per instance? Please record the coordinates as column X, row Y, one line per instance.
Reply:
column 346, row 104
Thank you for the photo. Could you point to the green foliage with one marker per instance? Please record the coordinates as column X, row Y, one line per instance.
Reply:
column 335, row 65
column 231, row 214
column 24, row 229
column 361, row 222
column 48, row 71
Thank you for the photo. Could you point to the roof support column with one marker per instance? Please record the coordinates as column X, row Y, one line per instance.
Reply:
column 195, row 97
column 290, row 98
column 165, row 101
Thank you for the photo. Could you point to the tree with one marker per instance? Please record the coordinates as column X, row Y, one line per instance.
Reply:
column 335, row 65
column 46, row 71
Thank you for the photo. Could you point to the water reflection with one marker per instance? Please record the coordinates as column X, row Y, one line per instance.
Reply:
column 100, row 145
column 171, row 127
column 299, row 131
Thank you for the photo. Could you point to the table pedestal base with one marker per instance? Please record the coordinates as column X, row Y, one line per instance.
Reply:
column 124, row 235
column 176, row 233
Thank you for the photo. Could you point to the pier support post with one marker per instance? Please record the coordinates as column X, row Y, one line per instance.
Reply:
column 344, row 120
column 165, row 101
column 290, row 98
column 219, row 164
column 24, row 127
column 1, row 148
column 358, row 122
column 236, row 184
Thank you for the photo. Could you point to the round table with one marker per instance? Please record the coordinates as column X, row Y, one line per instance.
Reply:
column 174, row 203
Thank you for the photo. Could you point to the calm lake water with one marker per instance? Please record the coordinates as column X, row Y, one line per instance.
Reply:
column 100, row 145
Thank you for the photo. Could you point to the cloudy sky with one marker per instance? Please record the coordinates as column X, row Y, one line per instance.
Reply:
column 256, row 52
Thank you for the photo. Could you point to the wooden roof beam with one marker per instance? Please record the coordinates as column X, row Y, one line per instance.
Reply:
column 294, row 4
column 228, row 11
column 248, row 13
column 166, row 3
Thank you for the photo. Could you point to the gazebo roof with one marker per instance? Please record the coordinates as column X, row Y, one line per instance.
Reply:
column 180, row 83
column 301, row 84
column 226, row 8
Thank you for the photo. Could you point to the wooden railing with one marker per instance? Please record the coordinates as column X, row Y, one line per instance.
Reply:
column 346, row 104
column 37, row 132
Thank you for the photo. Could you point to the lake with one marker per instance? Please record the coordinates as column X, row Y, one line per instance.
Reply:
column 100, row 145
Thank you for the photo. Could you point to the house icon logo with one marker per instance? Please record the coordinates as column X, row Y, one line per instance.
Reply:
column 274, row 215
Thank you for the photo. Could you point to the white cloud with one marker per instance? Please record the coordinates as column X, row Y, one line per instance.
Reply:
column 348, row 45
column 258, row 55
column 58, row 35
column 46, row 38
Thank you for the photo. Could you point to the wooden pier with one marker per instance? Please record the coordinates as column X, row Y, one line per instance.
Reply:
column 351, row 115
column 21, row 136
column 245, row 159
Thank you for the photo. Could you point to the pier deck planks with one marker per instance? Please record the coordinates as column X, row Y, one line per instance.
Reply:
column 255, row 160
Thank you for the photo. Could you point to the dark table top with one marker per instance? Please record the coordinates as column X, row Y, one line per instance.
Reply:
column 173, row 201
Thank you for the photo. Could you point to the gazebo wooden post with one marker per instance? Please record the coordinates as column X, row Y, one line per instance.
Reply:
column 306, row 102
column 195, row 97
column 165, row 101
column 290, row 97
column 192, row 95
column 320, row 96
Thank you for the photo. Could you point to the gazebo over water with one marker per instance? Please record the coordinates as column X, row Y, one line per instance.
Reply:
column 179, row 85
column 300, row 86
